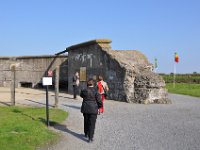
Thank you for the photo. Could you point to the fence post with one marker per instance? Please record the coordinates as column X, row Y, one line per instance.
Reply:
column 57, row 85
column 12, row 85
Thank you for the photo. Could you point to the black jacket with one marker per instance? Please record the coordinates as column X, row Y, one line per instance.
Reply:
column 91, row 101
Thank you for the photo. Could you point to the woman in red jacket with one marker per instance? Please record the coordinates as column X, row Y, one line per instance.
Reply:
column 102, row 89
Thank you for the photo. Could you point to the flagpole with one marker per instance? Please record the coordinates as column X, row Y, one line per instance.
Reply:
column 174, row 75
column 155, row 65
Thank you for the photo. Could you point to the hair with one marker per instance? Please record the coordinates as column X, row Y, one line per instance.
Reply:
column 100, row 78
column 90, row 82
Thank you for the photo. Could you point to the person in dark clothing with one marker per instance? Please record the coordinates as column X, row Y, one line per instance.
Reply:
column 75, row 84
column 91, row 102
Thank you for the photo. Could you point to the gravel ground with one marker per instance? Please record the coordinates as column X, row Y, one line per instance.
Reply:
column 126, row 126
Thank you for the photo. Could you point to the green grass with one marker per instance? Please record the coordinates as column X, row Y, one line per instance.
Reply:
column 184, row 88
column 24, row 128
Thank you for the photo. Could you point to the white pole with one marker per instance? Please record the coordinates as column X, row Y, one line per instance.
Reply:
column 155, row 65
column 174, row 75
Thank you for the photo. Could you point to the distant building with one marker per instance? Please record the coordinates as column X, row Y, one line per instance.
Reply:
column 31, row 69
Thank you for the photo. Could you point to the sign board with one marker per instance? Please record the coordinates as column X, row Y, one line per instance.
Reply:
column 47, row 81
column 83, row 74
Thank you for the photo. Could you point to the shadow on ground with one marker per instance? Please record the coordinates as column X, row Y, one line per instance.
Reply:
column 72, row 106
column 6, row 103
column 64, row 128
column 38, row 102
column 64, row 97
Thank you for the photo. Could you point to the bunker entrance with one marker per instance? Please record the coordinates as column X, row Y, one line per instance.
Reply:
column 26, row 84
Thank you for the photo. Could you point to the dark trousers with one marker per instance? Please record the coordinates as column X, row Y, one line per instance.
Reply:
column 89, row 124
column 75, row 89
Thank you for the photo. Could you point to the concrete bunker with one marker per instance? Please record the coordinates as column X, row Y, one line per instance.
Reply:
column 128, row 72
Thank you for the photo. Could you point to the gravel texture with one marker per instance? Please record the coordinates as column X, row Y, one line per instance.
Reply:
column 126, row 126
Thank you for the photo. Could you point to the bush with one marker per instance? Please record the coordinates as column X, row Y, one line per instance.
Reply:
column 182, row 78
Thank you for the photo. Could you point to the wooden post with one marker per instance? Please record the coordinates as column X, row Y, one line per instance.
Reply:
column 57, row 85
column 12, row 85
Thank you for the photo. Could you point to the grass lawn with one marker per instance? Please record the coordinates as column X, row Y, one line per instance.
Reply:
column 23, row 128
column 184, row 88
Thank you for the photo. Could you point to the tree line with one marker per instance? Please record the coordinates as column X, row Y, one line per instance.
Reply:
column 182, row 78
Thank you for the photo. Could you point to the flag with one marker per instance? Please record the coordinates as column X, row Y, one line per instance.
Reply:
column 155, row 63
column 176, row 57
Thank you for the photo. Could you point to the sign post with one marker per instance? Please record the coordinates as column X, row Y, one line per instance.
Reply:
column 47, row 106
column 46, row 81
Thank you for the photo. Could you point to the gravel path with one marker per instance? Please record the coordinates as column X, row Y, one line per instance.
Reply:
column 126, row 126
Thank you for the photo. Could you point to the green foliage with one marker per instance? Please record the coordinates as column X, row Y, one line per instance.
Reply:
column 184, row 88
column 182, row 78
column 25, row 129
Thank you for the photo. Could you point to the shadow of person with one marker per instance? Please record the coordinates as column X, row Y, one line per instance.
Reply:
column 63, row 128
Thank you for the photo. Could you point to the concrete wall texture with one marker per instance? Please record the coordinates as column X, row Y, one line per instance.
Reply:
column 127, row 72
column 31, row 69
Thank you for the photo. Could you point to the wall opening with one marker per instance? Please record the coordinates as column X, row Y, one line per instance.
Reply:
column 26, row 84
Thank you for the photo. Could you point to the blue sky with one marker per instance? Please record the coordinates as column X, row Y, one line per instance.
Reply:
column 157, row 28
